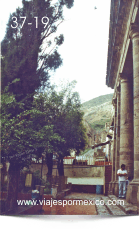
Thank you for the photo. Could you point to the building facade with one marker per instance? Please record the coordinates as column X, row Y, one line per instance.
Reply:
column 123, row 77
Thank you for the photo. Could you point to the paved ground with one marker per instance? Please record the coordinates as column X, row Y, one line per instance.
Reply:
column 80, row 204
column 82, row 195
column 73, row 207
column 90, row 204
column 70, row 210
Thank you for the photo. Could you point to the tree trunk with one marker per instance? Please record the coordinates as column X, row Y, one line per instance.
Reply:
column 49, row 158
column 41, row 170
column 60, row 166
column 12, row 195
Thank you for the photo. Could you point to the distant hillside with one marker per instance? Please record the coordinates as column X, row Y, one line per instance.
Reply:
column 97, row 111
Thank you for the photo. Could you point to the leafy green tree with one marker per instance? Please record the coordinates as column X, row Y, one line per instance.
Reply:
column 52, row 124
column 28, row 53
column 27, row 134
column 64, row 114
column 26, row 67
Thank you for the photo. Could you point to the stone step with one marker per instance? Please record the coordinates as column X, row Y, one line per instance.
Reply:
column 102, row 209
column 112, row 207
column 128, row 208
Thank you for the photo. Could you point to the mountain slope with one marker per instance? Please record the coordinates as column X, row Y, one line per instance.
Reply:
column 98, row 111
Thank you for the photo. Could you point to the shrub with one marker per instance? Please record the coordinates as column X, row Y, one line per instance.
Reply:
column 47, row 191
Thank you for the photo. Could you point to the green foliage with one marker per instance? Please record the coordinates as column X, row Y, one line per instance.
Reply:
column 65, row 117
column 85, row 151
column 32, row 122
column 52, row 124
column 25, row 133
column 98, row 111
column 37, row 180
column 28, row 53
column 99, row 125
column 47, row 190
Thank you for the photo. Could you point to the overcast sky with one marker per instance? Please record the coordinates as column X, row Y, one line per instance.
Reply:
column 84, row 51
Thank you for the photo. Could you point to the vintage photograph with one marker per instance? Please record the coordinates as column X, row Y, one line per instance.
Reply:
column 69, row 108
